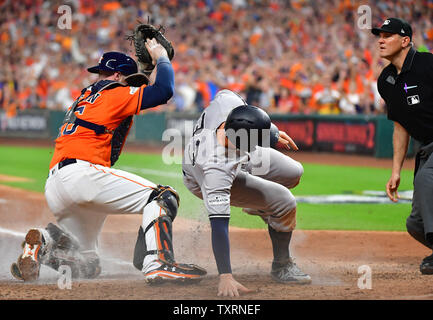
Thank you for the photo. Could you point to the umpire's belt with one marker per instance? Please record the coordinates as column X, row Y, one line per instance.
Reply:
column 61, row 164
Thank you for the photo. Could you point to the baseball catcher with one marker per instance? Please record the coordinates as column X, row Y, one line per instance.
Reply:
column 82, row 187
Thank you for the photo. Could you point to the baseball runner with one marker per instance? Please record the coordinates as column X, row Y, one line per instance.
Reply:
column 82, row 188
column 223, row 171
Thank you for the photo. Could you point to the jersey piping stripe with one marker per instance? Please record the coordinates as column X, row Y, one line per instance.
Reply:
column 219, row 215
column 116, row 175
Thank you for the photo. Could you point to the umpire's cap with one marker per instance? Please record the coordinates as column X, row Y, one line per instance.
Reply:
column 247, row 119
column 394, row 25
column 115, row 61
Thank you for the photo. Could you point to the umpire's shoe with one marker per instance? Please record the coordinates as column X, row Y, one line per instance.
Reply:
column 426, row 266
column 175, row 272
column 27, row 267
column 289, row 273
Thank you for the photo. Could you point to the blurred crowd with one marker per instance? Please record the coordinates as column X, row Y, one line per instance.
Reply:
column 286, row 56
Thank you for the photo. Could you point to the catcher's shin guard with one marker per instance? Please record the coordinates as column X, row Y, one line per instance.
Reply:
column 158, row 215
column 153, row 253
column 155, row 241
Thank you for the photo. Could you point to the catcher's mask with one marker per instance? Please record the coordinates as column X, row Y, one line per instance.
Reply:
column 248, row 126
column 115, row 61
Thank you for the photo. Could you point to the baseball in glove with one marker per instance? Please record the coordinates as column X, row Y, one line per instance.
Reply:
column 143, row 32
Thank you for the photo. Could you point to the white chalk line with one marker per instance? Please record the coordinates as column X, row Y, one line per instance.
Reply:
column 12, row 232
column 117, row 261
column 109, row 260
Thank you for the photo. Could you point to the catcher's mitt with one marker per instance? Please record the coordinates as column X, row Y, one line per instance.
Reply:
column 143, row 32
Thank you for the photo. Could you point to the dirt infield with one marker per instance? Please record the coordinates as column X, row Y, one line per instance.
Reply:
column 332, row 258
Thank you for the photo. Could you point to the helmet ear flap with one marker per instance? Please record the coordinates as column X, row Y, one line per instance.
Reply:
column 274, row 135
column 246, row 127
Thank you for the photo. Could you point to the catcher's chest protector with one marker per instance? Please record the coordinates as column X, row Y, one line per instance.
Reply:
column 118, row 135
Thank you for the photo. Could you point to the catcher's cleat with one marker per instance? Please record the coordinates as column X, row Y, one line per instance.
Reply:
column 426, row 266
column 289, row 273
column 175, row 272
column 27, row 267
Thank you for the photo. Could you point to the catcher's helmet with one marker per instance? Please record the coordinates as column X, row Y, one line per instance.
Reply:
column 115, row 61
column 248, row 126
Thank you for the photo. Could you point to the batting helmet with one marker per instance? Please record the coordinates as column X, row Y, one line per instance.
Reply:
column 247, row 127
column 274, row 135
column 115, row 61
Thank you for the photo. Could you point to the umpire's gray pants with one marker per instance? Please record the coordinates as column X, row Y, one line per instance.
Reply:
column 419, row 224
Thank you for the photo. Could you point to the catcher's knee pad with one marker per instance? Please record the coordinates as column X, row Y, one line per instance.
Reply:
column 155, row 240
column 167, row 198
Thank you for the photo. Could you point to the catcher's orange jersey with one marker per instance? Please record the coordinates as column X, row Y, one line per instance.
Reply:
column 109, row 108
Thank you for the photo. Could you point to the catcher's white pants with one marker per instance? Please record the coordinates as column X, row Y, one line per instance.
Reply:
column 82, row 194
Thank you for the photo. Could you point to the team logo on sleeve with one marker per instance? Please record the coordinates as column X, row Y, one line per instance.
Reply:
column 219, row 200
column 133, row 90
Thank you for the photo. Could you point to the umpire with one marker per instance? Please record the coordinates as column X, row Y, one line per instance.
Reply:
column 406, row 85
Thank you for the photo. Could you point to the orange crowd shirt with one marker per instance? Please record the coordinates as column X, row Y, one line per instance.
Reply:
column 108, row 108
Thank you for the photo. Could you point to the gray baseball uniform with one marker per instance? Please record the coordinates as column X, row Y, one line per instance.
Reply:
column 258, row 181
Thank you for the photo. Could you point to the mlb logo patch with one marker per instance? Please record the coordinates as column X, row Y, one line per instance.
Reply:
column 413, row 100
column 133, row 90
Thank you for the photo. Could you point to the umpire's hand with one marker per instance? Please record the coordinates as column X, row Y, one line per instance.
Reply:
column 392, row 186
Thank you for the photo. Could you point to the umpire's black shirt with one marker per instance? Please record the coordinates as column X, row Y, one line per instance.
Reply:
column 409, row 95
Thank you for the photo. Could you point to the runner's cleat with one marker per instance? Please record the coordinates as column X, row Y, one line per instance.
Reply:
column 289, row 273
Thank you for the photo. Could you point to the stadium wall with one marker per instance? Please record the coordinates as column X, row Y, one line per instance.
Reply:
column 360, row 134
